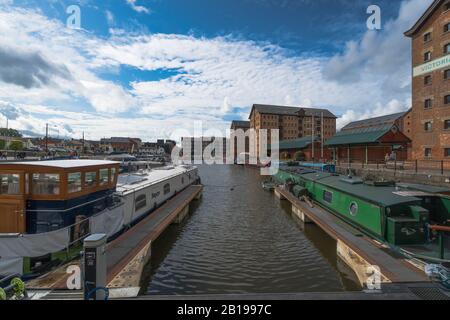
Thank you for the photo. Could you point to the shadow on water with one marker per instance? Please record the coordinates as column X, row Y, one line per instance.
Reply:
column 241, row 239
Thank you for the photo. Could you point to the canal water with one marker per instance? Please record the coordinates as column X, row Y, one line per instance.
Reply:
column 241, row 239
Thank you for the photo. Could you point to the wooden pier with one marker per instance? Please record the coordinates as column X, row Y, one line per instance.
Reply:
column 127, row 255
column 360, row 252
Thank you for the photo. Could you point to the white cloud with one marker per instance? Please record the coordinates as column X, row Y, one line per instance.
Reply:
column 109, row 17
column 215, row 76
column 137, row 8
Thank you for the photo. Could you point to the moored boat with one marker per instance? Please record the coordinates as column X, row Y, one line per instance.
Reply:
column 48, row 207
column 408, row 220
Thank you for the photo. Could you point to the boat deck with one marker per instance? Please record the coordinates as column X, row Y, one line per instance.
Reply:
column 395, row 268
column 126, row 255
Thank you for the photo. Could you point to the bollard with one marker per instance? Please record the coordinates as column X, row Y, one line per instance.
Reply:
column 95, row 267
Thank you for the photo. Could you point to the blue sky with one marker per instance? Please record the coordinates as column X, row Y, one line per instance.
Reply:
column 149, row 68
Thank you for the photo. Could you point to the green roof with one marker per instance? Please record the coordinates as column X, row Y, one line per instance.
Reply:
column 301, row 143
column 382, row 196
column 358, row 136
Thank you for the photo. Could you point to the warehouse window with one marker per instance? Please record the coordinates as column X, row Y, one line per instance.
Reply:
column 447, row 99
column 447, row 26
column 427, row 37
column 427, row 80
column 447, row 152
column 427, row 152
column 327, row 196
column 447, row 124
column 427, row 56
column 428, row 126
column 447, row 48
column 428, row 104
column 447, row 74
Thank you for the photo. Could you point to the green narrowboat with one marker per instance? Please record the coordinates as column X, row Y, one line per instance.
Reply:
column 399, row 215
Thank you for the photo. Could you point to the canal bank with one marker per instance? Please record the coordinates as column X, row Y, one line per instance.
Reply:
column 241, row 240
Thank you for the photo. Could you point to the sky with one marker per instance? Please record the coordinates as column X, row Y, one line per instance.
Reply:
column 153, row 68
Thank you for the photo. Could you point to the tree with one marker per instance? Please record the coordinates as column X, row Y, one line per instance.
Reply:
column 299, row 156
column 2, row 144
column 16, row 145
column 10, row 133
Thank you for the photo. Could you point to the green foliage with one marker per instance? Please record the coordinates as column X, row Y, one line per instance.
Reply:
column 16, row 145
column 284, row 156
column 2, row 144
column 299, row 156
column 10, row 133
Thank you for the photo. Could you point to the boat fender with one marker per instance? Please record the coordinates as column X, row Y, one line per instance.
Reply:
column 18, row 287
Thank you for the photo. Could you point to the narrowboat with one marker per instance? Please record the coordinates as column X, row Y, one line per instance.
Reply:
column 48, row 207
column 409, row 218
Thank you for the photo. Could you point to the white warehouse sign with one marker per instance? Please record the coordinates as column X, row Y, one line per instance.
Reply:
column 432, row 66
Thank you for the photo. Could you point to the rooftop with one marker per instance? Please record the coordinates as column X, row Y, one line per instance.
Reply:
column 360, row 135
column 434, row 6
column 378, row 121
column 285, row 110
column 300, row 143
column 240, row 124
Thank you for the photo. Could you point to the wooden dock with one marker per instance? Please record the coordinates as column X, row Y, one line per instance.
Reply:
column 127, row 255
column 360, row 252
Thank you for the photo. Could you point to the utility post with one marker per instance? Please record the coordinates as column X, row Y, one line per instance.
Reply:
column 46, row 137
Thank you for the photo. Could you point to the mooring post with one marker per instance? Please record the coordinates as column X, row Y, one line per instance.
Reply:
column 95, row 267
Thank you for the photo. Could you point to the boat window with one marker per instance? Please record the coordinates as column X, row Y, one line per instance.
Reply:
column 74, row 182
column 46, row 183
column 167, row 188
column 113, row 174
column 27, row 183
column 104, row 176
column 353, row 209
column 327, row 196
column 10, row 184
column 141, row 202
column 90, row 179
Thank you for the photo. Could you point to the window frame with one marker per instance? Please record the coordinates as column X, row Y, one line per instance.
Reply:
column 430, row 103
column 427, row 56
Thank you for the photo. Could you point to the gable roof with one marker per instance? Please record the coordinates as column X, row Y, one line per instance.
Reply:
column 377, row 121
column 291, row 111
column 358, row 136
column 240, row 124
column 431, row 9
column 300, row 143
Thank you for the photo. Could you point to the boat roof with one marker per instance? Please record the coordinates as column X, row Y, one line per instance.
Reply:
column 63, row 164
column 128, row 183
column 384, row 196
column 423, row 187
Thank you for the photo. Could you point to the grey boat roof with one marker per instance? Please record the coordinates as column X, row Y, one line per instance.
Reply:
column 64, row 164
column 423, row 187
column 380, row 195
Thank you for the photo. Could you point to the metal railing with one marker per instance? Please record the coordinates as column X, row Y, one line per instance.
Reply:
column 440, row 167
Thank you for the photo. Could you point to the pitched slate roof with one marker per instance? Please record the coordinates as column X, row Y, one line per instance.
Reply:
column 240, row 124
column 378, row 121
column 435, row 5
column 358, row 136
column 284, row 110
column 300, row 143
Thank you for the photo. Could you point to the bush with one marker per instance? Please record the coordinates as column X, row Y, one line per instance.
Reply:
column 16, row 145
column 2, row 144
column 299, row 156
column 284, row 156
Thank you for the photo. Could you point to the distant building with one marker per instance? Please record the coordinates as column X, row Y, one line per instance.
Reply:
column 120, row 144
column 197, row 146
column 152, row 149
column 292, row 122
column 370, row 140
column 430, row 116
column 235, row 126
